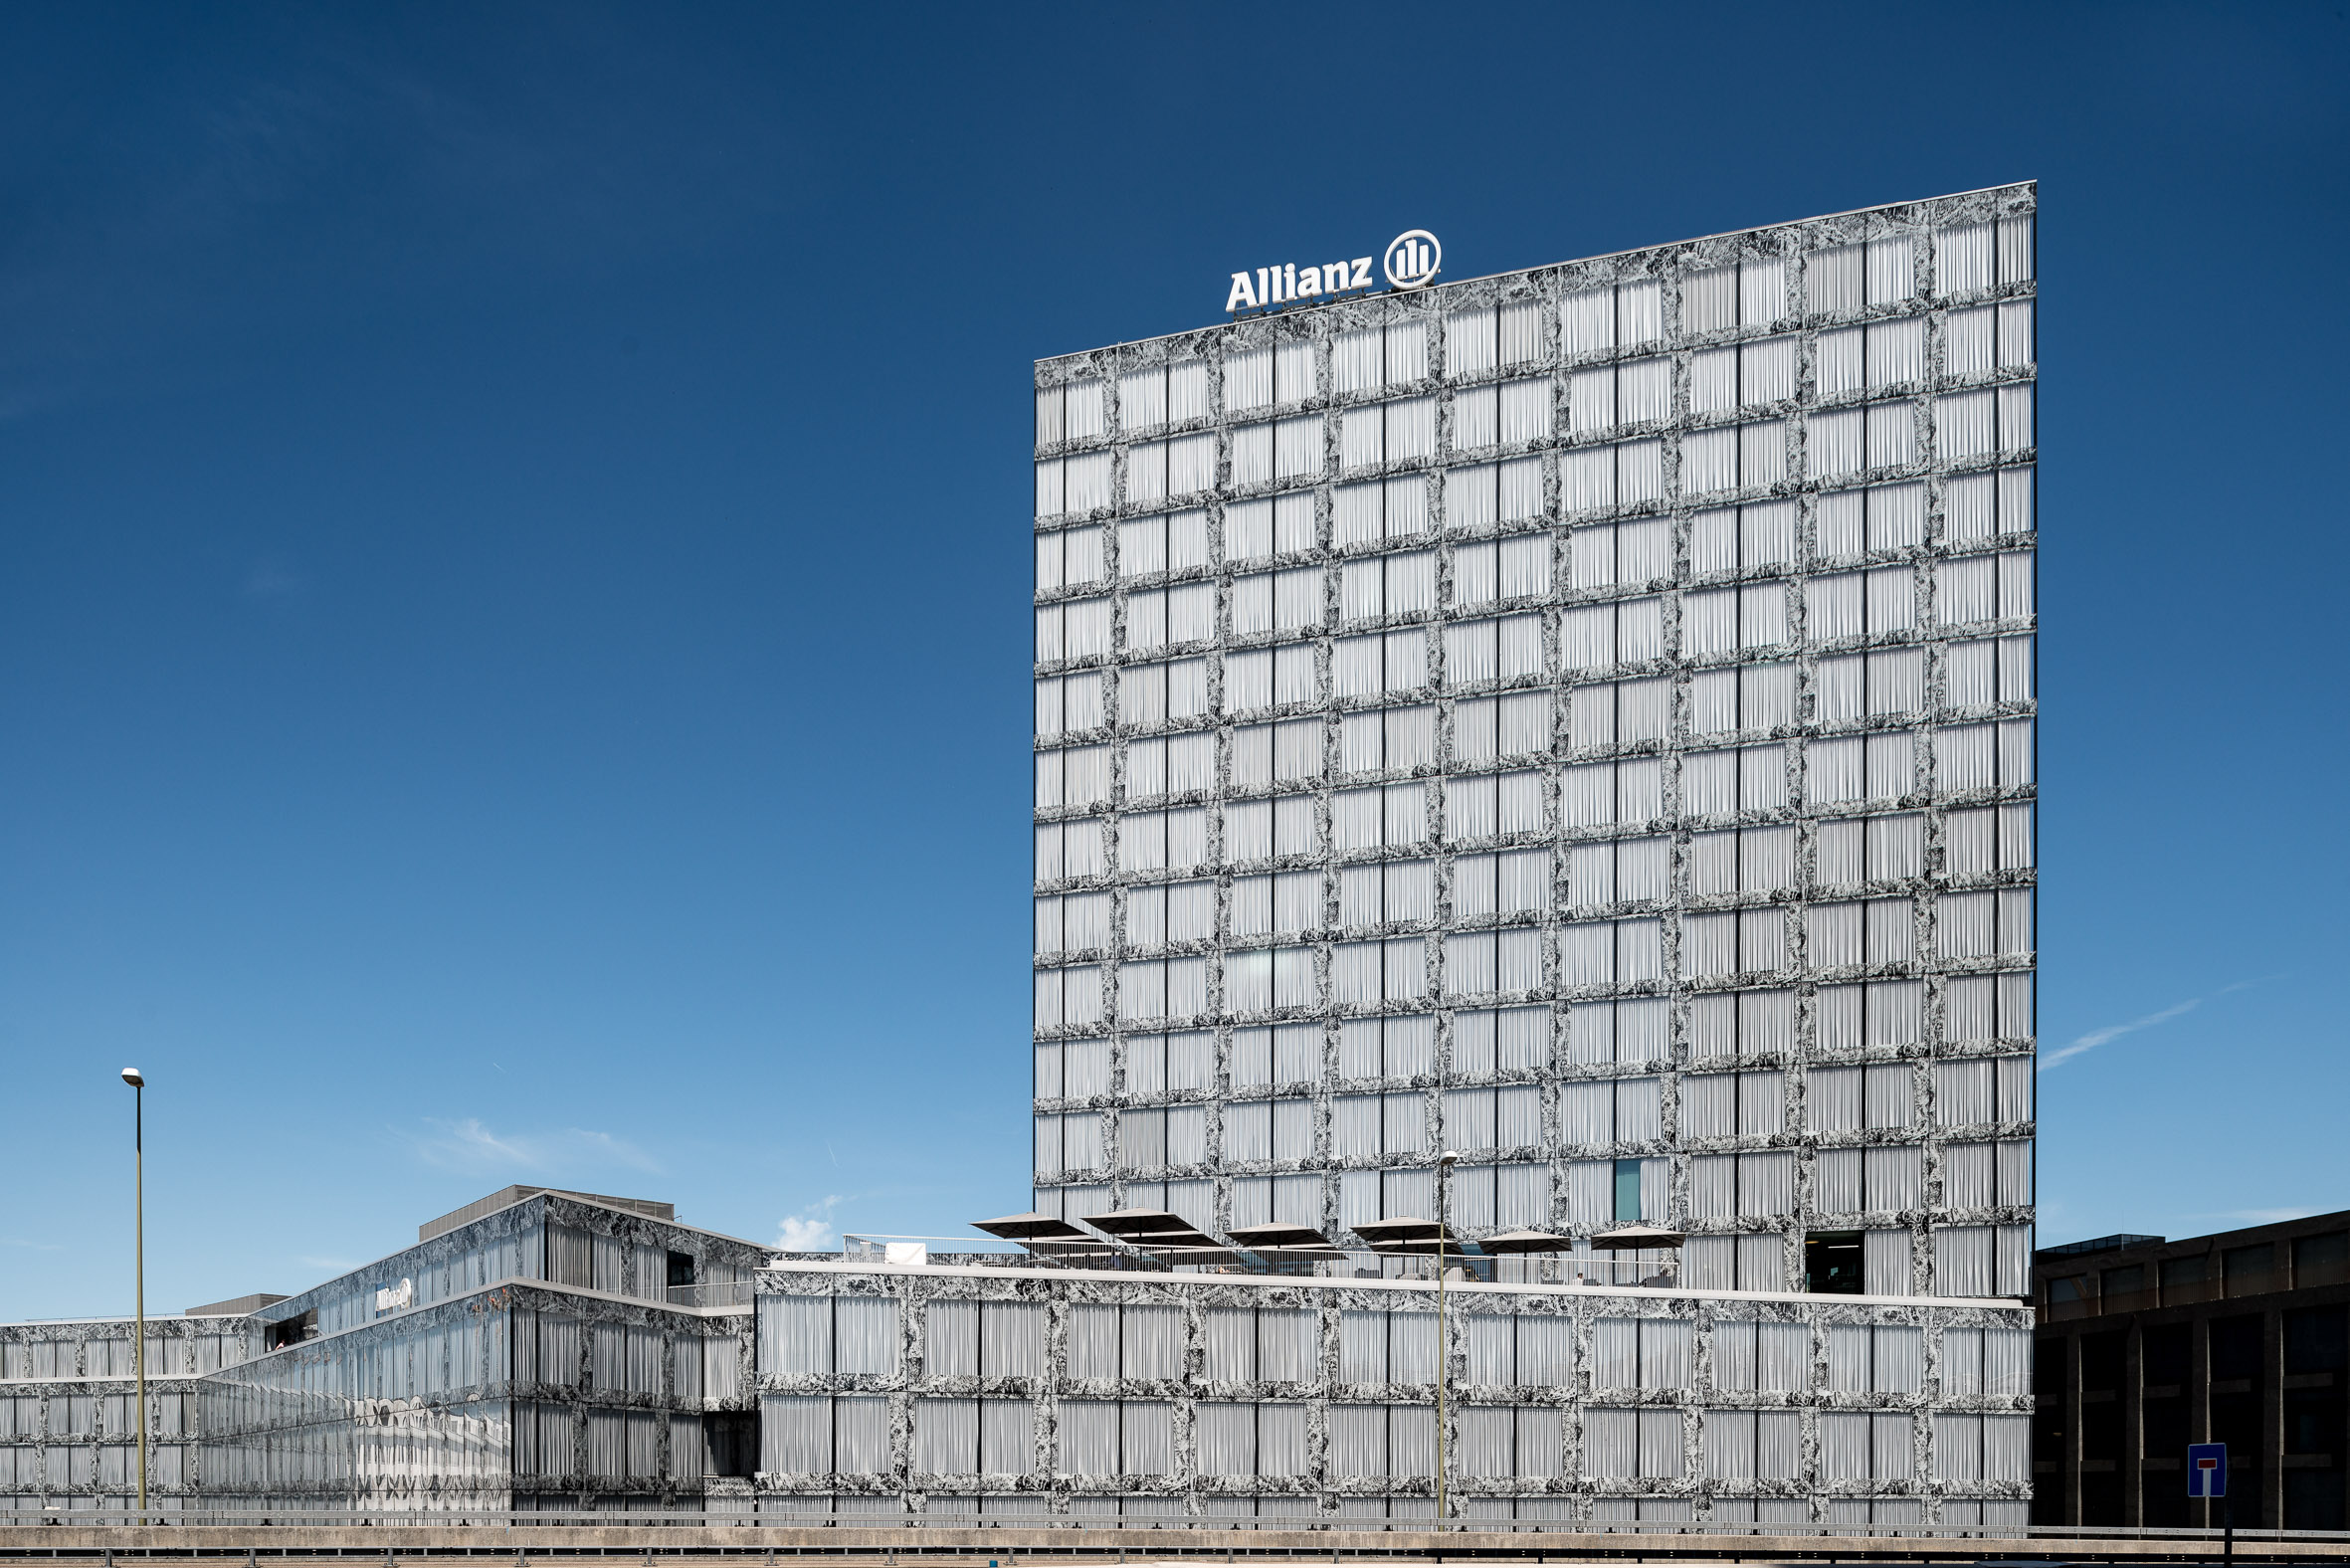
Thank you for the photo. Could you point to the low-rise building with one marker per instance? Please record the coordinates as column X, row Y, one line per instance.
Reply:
column 2146, row 1345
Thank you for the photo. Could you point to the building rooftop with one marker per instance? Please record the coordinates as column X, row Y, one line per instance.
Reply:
column 504, row 1196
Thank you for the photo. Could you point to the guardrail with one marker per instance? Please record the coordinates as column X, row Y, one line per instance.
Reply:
column 681, row 1519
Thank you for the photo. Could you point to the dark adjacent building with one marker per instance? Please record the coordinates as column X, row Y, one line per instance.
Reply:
column 2146, row 1345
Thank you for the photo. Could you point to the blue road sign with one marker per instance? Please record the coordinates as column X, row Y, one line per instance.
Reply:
column 2206, row 1470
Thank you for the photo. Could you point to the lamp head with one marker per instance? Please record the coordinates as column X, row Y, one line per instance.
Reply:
column 130, row 1075
column 1448, row 1159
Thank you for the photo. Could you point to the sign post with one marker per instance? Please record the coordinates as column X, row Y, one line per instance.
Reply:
column 2206, row 1477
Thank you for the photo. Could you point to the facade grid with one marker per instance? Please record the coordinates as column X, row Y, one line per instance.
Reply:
column 1583, row 718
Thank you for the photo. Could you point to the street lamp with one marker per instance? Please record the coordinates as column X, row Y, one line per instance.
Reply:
column 138, row 1181
column 1443, row 1170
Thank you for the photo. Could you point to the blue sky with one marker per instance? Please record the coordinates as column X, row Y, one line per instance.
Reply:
column 513, row 551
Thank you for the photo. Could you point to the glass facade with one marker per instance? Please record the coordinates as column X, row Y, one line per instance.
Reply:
column 989, row 1391
column 1582, row 719
column 555, row 1354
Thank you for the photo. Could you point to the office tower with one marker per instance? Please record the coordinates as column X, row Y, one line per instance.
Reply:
column 1582, row 717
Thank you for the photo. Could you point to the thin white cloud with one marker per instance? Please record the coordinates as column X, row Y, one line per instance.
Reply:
column 2262, row 1216
column 469, row 1146
column 2097, row 1037
column 2111, row 1031
column 38, row 1247
column 811, row 1230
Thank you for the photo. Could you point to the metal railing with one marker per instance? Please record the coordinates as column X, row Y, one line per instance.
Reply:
column 934, row 1520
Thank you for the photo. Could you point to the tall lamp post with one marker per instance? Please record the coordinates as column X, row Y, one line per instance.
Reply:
column 1443, row 1172
column 138, row 1181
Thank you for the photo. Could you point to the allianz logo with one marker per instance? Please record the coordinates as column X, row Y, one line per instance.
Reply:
column 1410, row 262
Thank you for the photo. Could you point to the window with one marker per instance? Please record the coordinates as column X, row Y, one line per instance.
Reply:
column 1980, row 674
column 1152, row 694
column 1859, row 686
column 1485, row 728
column 1876, row 931
column 1599, row 1112
column 1983, row 588
column 1501, row 569
column 1480, row 497
column 1394, row 508
column 1741, row 942
column 1621, row 317
column 1288, row 903
column 1626, row 1192
column 1374, row 666
column 1069, row 849
column 1277, row 600
column 1851, row 852
column 1511, row 412
column 1170, row 765
column 1993, row 838
column 1078, row 629
column 1738, row 457
column 1834, row 281
column 1259, row 830
column 1279, row 977
column 1479, row 963
column 1158, row 470
column 1984, row 924
column 1508, row 1039
column 1623, row 475
column 1882, row 518
column 1594, row 636
column 1725, row 782
column 1395, row 354
column 1981, row 1175
column 1158, row 617
column 1732, row 1105
column 1974, row 425
column 1730, row 619
column 1755, row 373
column 1513, row 883
column 1277, row 753
column 1859, row 767
column 1278, row 526
column 1487, row 805
column 1477, row 652
column 1750, row 696
column 1754, row 861
column 1744, row 1186
column 1744, row 1024
column 1734, row 538
column 1074, row 412
column 1611, row 952
column 1964, row 260
column 1386, row 1047
column 1987, row 1008
column 1831, row 1262
column 1151, row 841
column 1634, row 1033
column 1071, row 558
column 1980, row 507
column 1983, row 756
column 1855, row 604
column 1628, row 553
column 1612, row 712
column 1384, row 433
column 1398, row 891
column 1386, row 585
column 1365, row 819
column 1607, row 794
column 1387, row 739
